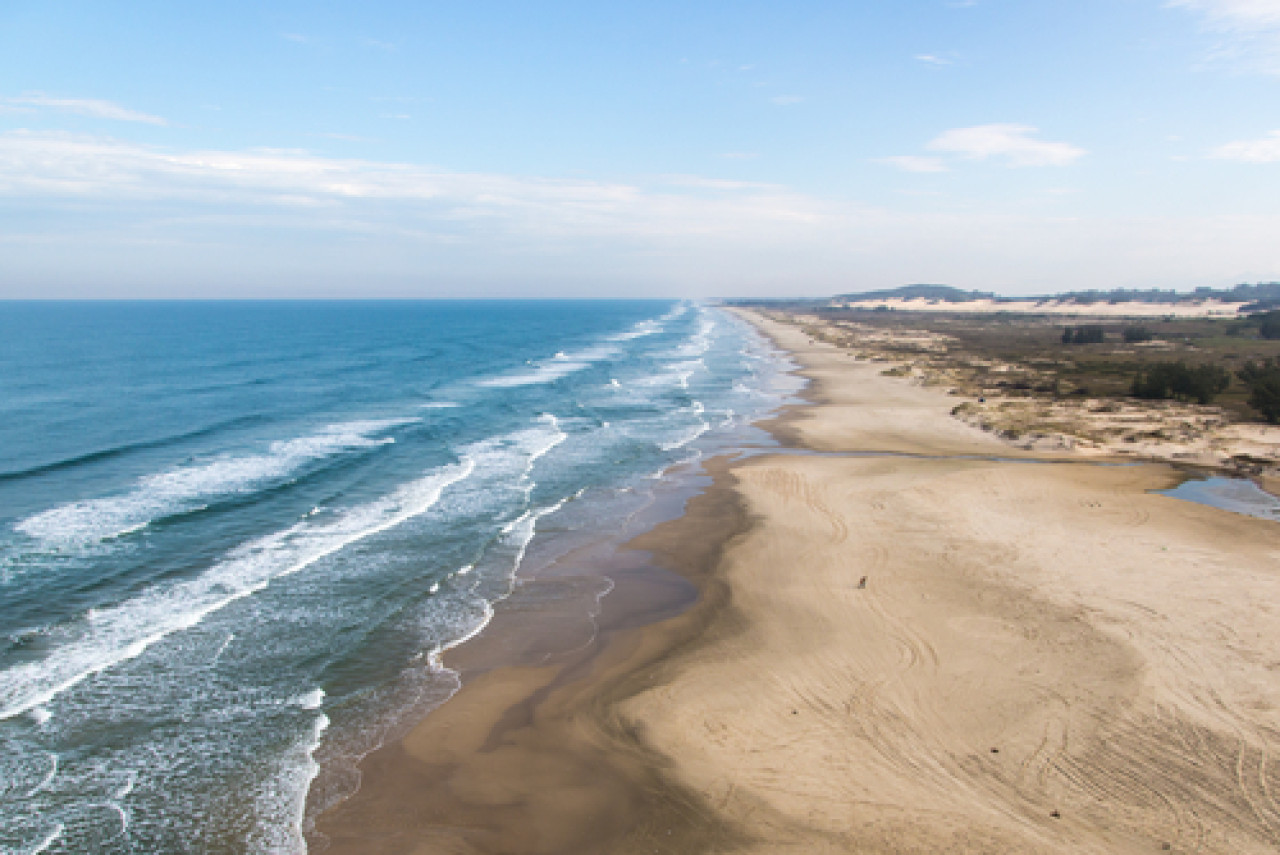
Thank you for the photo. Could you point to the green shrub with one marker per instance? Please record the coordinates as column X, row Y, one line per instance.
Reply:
column 1133, row 335
column 1088, row 334
column 1269, row 325
column 1263, row 380
column 1178, row 380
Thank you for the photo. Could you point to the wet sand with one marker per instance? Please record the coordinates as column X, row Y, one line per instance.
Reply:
column 927, row 650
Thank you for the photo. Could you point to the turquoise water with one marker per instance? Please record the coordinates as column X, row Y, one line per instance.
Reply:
column 234, row 537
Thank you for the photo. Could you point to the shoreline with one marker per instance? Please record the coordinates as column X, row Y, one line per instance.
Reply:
column 886, row 655
column 523, row 757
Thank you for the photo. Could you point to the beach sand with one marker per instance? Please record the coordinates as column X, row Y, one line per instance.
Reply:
column 915, row 640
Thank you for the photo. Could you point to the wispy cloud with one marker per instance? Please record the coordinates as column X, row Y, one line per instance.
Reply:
column 1265, row 150
column 295, row 37
column 290, row 223
column 50, row 167
column 92, row 107
column 1250, row 30
column 1240, row 15
column 1014, row 144
column 786, row 100
column 915, row 163
column 932, row 59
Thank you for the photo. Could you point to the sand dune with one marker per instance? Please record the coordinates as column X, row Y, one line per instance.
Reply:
column 1128, row 309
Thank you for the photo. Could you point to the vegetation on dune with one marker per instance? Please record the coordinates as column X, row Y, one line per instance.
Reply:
column 1137, row 335
column 1024, row 356
column 1263, row 295
column 1087, row 334
column 1177, row 380
column 1269, row 325
column 1263, row 381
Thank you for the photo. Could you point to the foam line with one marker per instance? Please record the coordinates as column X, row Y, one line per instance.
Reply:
column 549, row 370
column 309, row 772
column 48, row 776
column 186, row 488
column 124, row 631
column 48, row 841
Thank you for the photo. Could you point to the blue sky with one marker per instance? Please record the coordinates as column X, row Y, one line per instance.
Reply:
column 656, row 149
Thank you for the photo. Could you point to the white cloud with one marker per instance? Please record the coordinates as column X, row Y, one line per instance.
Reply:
column 1250, row 31
column 915, row 163
column 1265, row 150
column 1239, row 15
column 786, row 100
column 931, row 59
column 50, row 167
column 92, row 107
column 1013, row 143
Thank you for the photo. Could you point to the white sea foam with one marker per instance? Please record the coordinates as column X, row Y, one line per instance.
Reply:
column 689, row 434
column 311, row 700
column 544, row 372
column 685, row 437
column 517, row 535
column 511, row 458
column 190, row 487
column 438, row 405
column 290, row 798
column 48, row 840
column 47, row 778
column 520, row 532
column 222, row 648
column 640, row 330
column 549, row 370
column 436, row 656
column 680, row 309
column 700, row 342
column 123, row 631
column 652, row 326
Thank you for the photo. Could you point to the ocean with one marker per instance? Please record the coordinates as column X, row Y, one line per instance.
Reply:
column 236, row 537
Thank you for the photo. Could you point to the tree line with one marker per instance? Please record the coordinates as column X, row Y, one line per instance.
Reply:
column 1202, row 383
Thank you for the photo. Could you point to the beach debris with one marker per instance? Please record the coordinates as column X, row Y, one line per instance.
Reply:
column 862, row 583
column 995, row 750
column 1055, row 814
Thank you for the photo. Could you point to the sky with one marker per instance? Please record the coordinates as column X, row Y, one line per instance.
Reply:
column 657, row 149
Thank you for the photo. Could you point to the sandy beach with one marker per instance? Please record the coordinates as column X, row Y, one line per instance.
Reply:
column 908, row 637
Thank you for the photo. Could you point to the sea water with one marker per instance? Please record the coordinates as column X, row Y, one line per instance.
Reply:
column 235, row 537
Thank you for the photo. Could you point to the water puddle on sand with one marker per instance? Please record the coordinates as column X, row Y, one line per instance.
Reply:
column 1229, row 494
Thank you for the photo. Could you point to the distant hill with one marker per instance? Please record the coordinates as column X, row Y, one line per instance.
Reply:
column 943, row 293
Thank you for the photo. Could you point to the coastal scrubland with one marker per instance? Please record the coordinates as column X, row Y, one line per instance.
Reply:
column 1091, row 385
